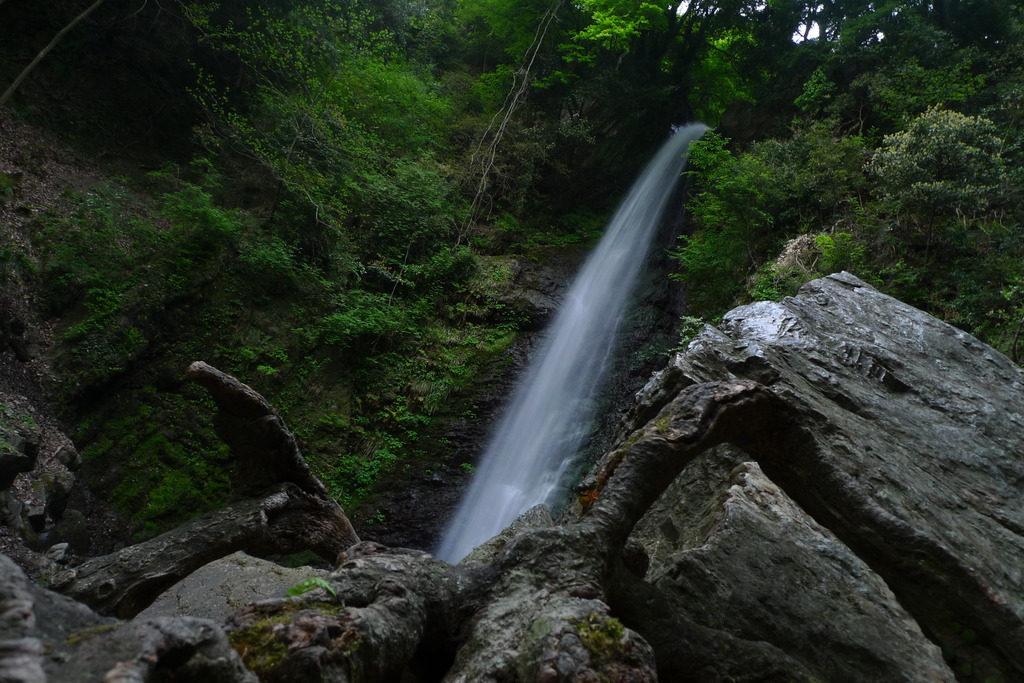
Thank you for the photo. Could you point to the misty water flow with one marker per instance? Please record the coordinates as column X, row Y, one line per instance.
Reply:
column 547, row 418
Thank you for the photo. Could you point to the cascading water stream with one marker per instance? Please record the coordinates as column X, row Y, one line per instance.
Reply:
column 545, row 421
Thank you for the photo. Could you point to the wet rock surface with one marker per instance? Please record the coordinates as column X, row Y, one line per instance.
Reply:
column 48, row 637
column 918, row 423
column 739, row 556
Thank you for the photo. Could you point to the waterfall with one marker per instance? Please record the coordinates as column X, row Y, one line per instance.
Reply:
column 547, row 417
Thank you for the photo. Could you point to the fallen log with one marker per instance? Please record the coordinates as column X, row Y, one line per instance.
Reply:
column 280, row 506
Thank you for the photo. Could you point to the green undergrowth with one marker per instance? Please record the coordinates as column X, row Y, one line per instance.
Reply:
column 605, row 640
column 508, row 234
column 366, row 370
column 156, row 455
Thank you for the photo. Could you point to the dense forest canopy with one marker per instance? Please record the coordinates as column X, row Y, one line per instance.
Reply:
column 327, row 198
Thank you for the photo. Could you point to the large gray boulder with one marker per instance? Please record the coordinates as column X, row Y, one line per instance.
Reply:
column 224, row 586
column 733, row 552
column 910, row 492
column 48, row 638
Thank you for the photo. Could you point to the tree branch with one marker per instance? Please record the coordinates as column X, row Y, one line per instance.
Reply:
column 45, row 51
column 125, row 582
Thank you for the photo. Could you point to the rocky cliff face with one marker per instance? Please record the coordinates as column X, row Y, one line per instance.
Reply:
column 826, row 488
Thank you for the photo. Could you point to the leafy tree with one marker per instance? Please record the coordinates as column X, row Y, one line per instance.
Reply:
column 344, row 122
column 945, row 165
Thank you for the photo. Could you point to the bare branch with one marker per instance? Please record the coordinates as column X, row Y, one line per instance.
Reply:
column 45, row 51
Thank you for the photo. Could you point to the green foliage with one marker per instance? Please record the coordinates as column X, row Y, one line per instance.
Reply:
column 158, row 459
column 714, row 264
column 927, row 216
column 818, row 90
column 734, row 188
column 900, row 91
column 258, row 644
column 269, row 263
column 505, row 26
column 269, row 318
column 729, row 205
column 771, row 282
column 689, row 327
column 362, row 317
column 944, row 165
column 615, row 24
column 113, row 266
column 717, row 82
column 747, row 204
column 1009, row 318
column 344, row 122
column 310, row 584
column 197, row 226
column 604, row 637
column 840, row 251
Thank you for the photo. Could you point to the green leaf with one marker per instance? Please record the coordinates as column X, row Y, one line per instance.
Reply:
column 312, row 583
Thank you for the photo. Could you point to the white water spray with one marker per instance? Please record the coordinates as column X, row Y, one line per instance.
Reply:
column 546, row 419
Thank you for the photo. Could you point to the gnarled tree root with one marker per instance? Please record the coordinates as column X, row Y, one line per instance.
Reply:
column 281, row 507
